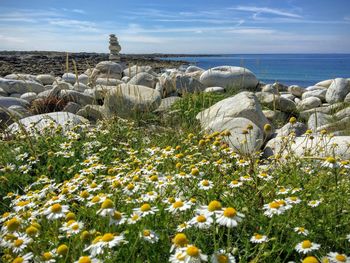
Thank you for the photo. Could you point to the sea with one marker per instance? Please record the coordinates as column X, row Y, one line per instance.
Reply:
column 290, row 69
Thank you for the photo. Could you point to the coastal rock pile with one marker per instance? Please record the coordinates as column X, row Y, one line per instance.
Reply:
column 112, row 89
column 114, row 48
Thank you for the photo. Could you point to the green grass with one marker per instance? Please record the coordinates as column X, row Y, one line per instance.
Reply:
column 129, row 162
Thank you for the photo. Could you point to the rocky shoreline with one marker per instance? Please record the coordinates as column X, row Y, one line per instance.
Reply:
column 52, row 62
column 259, row 117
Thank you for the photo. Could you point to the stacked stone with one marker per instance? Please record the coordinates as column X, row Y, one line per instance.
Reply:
column 114, row 48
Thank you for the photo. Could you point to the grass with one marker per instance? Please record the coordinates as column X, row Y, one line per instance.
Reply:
column 121, row 179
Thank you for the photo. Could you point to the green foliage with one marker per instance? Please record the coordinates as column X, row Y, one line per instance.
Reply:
column 130, row 162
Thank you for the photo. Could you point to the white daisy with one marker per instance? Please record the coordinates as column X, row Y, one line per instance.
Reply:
column 107, row 208
column 276, row 207
column 182, row 227
column 178, row 205
column 178, row 257
column 145, row 210
column 264, row 176
column 222, row 256
column 229, row 217
column 56, row 211
column 301, row 231
column 117, row 218
column 314, row 203
column 87, row 259
column 246, row 178
column 20, row 243
column 201, row 221
column 193, row 254
column 293, row 200
column 330, row 162
column 213, row 208
column 149, row 235
column 235, row 184
column 306, row 246
column 72, row 227
column 335, row 257
column 47, row 257
column 257, row 238
column 24, row 258
column 205, row 185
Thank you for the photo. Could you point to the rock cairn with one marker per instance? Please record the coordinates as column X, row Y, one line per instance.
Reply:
column 114, row 48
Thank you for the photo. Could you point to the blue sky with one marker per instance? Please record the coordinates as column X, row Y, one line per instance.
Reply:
column 192, row 26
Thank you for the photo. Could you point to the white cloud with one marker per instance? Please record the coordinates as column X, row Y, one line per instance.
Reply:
column 72, row 24
column 79, row 11
column 265, row 10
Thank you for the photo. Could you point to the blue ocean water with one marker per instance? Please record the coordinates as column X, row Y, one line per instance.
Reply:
column 299, row 69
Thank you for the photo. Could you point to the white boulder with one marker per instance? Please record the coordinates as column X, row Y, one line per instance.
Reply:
column 229, row 77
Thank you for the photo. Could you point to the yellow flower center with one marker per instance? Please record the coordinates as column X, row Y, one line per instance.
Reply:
column 194, row 171
column 135, row 217
column 301, row 229
column 130, row 187
column 145, row 207
column 96, row 199
column 18, row 260
column 75, row 227
column 192, row 251
column 84, row 194
column 205, row 183
column 146, row 233
column 70, row 216
column 201, row 219
column 117, row 215
column 234, row 182
column 84, row 260
column 116, row 184
column 62, row 250
column 180, row 240
column 70, row 222
column 306, row 244
column 331, row 160
column 274, row 205
column 136, row 178
column 171, row 200
column 22, row 203
column 258, row 236
column 230, row 212
column 108, row 203
column 93, row 185
column 56, row 208
column 47, row 256
column 31, row 230
column 12, row 224
column 214, row 205
column 154, row 178
column 310, row 259
column 222, row 258
column 107, row 237
column 18, row 242
column 178, row 204
column 340, row 258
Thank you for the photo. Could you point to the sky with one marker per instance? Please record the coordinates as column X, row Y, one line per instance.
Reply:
column 178, row 26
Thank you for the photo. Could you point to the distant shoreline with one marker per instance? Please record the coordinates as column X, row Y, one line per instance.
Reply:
column 56, row 53
column 54, row 62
